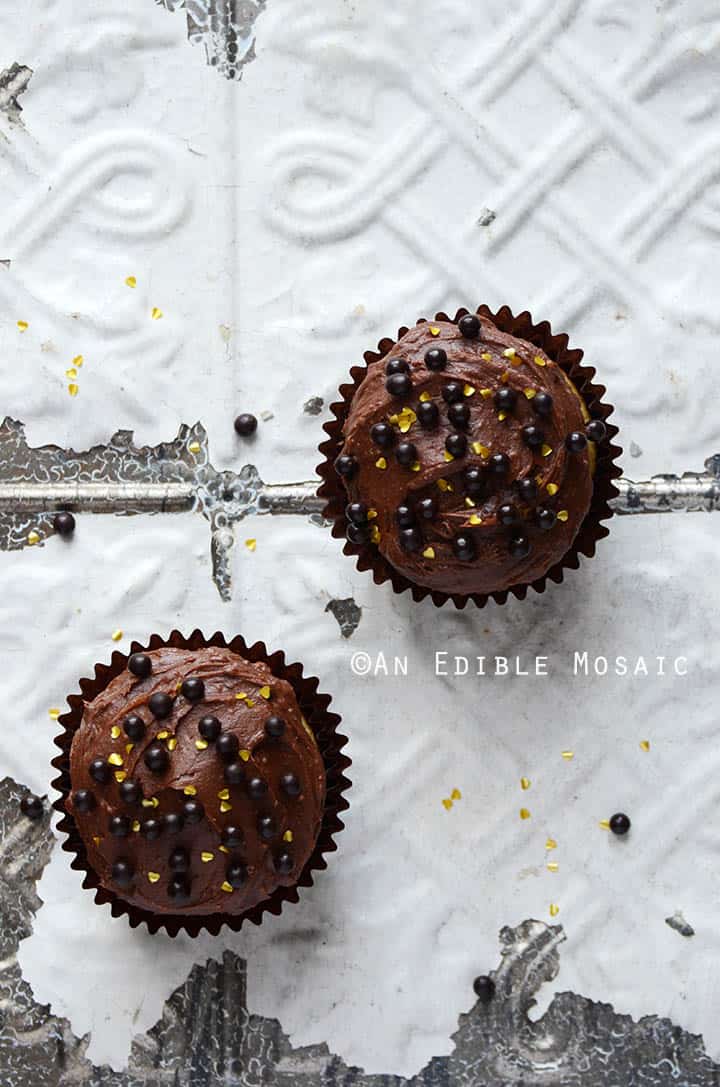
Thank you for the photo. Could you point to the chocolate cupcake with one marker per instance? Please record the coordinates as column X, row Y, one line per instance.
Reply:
column 195, row 782
column 470, row 458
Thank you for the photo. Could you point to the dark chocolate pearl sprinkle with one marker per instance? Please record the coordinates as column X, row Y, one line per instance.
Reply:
column 411, row 539
column 267, row 827
column 484, row 988
column 274, row 727
column 405, row 516
column 193, row 689
column 32, row 806
column 179, row 888
column 140, row 665
column 469, row 326
column 505, row 399
column 173, row 822
column 84, row 801
column 542, row 404
column 227, row 747
column 119, row 826
column 122, row 872
column 160, row 705
column 157, row 759
column 357, row 534
column 234, row 773
column 406, row 454
column 236, row 874
column 474, row 482
column 346, row 465
column 100, row 771
column 428, row 414
column 399, row 384
column 179, row 860
column 64, row 524
column 193, row 811
column 436, row 358
column 575, row 442
column 507, row 514
column 619, row 823
column 499, row 464
column 464, row 548
column 130, row 792
column 134, row 727
column 209, row 728
column 519, row 547
column 284, row 863
column 357, row 513
column 383, row 435
column 596, row 431
column 427, row 508
column 232, row 837
column 397, row 366
column 459, row 415
column 290, row 785
column 151, row 829
column 245, row 424
column 533, row 436
column 528, row 490
column 545, row 518
column 456, row 445
column 256, row 788
column 452, row 392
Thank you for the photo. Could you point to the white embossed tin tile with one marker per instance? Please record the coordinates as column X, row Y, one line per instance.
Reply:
column 214, row 207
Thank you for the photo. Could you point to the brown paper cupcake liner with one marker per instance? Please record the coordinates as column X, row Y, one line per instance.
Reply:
column 591, row 529
column 324, row 724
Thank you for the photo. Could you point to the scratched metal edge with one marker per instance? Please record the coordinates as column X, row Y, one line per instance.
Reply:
column 207, row 1037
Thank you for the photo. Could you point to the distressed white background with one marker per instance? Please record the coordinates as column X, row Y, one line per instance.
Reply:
column 283, row 224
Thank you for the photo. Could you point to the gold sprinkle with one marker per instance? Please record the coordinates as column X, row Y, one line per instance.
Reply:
column 162, row 735
column 78, row 360
column 381, row 463
column 505, row 377
column 153, row 876
column 486, row 393
column 567, row 755
column 33, row 537
column 371, row 515
column 456, row 795
column 524, row 813
column 447, row 804
column 550, row 843
column 115, row 731
column 97, row 839
column 502, row 416
column 405, row 419
column 288, row 836
column 375, row 535
column 178, row 686
column 201, row 745
column 131, row 281
column 469, row 502
column 120, row 776
column 480, row 449
column 129, row 747
column 264, row 692
column 605, row 824
column 524, row 783
column 207, row 857
column 224, row 794
column 475, row 520
column 73, row 389
column 563, row 515
column 251, row 544
column 226, row 887
column 71, row 372
column 136, row 826
column 415, row 467
column 448, row 456
column 546, row 449
column 510, row 353
column 223, row 849
column 468, row 390
column 552, row 866
column 645, row 745
column 424, row 397
column 434, row 330
column 530, row 393
column 190, row 790
column 151, row 803
column 487, row 356
column 23, row 326
column 244, row 754
column 53, row 713
column 116, row 635
column 194, row 447
column 539, row 360
column 156, row 313
column 552, row 488
column 444, row 485
column 249, row 703
column 225, row 806
column 171, row 744
column 241, row 696
column 115, row 759
column 554, row 909
column 429, row 553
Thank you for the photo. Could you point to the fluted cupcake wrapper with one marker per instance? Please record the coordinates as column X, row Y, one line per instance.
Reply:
column 324, row 724
column 592, row 529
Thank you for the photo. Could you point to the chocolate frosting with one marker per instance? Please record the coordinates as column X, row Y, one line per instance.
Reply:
column 493, row 361
column 196, row 773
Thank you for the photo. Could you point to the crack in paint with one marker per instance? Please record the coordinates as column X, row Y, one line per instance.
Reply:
column 14, row 82
column 347, row 613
